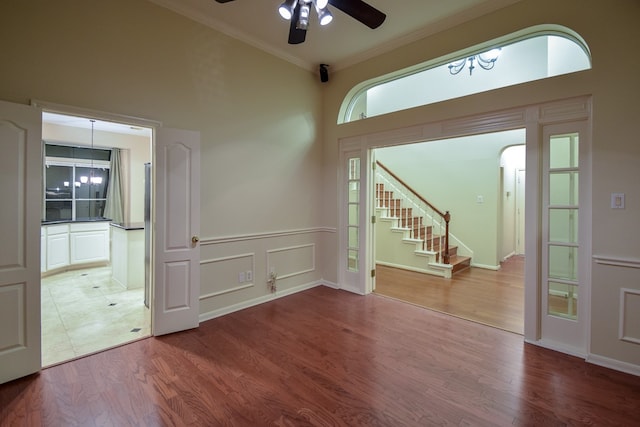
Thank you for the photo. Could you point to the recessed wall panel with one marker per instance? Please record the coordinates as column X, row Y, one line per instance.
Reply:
column 227, row 274
column 291, row 261
column 630, row 315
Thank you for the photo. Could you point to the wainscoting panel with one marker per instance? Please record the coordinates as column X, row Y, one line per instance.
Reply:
column 235, row 269
column 291, row 261
column 629, row 329
column 226, row 274
column 615, row 325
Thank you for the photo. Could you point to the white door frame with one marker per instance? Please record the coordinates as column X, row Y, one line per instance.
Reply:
column 163, row 321
column 532, row 118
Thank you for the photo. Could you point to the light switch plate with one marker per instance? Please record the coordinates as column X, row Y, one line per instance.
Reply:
column 617, row 200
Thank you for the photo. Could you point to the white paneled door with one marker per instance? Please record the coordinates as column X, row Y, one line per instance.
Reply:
column 565, row 237
column 20, row 192
column 176, row 245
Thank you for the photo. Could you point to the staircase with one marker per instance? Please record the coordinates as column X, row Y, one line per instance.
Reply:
column 411, row 233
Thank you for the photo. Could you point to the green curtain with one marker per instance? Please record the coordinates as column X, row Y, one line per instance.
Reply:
column 114, row 208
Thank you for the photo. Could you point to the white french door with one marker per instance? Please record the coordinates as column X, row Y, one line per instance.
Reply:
column 352, row 237
column 176, row 291
column 565, row 287
column 20, row 192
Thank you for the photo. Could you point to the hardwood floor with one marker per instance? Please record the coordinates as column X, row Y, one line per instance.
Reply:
column 326, row 357
column 494, row 298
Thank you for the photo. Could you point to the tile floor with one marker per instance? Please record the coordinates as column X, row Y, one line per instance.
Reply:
column 85, row 311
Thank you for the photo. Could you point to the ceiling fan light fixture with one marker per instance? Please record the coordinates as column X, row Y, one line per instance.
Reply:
column 303, row 21
column 324, row 16
column 321, row 4
column 286, row 8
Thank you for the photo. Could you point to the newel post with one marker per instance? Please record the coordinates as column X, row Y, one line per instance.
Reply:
column 447, row 218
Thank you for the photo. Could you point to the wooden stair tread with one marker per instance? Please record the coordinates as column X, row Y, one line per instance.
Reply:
column 419, row 232
column 459, row 263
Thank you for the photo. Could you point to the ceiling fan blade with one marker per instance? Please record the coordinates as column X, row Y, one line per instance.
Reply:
column 361, row 11
column 223, row 1
column 296, row 35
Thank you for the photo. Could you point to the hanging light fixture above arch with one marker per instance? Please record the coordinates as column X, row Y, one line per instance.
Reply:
column 486, row 61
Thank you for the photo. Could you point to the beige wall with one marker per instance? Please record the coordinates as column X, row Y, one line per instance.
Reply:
column 611, row 31
column 258, row 116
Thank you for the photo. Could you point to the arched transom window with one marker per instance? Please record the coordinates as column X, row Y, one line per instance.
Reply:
column 532, row 54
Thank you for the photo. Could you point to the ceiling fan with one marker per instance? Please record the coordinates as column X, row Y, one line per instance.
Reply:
column 297, row 11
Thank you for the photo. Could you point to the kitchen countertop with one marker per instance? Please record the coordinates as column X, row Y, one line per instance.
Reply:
column 129, row 225
column 69, row 221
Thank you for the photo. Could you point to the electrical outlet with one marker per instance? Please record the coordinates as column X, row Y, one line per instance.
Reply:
column 241, row 277
column 249, row 276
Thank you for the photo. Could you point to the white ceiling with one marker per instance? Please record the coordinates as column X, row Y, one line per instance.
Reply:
column 98, row 125
column 344, row 41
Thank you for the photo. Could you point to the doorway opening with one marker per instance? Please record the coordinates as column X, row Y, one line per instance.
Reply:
column 95, row 235
column 479, row 180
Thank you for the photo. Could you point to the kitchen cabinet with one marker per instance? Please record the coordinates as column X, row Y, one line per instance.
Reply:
column 89, row 242
column 57, row 246
column 74, row 243
column 127, row 260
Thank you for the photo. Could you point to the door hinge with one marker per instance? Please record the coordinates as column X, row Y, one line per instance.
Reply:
column 373, row 219
column 373, row 273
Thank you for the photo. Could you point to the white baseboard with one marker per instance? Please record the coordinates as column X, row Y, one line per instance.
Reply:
column 330, row 284
column 614, row 364
column 351, row 289
column 260, row 300
column 405, row 267
column 485, row 266
column 509, row 255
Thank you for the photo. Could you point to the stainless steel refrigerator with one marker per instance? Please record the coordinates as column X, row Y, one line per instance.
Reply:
column 147, row 234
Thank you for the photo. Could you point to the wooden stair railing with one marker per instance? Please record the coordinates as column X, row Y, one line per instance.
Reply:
column 445, row 216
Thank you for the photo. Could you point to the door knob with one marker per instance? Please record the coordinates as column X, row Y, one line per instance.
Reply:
column 195, row 239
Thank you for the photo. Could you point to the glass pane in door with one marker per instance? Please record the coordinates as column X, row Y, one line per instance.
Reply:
column 563, row 225
column 563, row 262
column 563, row 300
column 563, row 151
column 563, row 188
